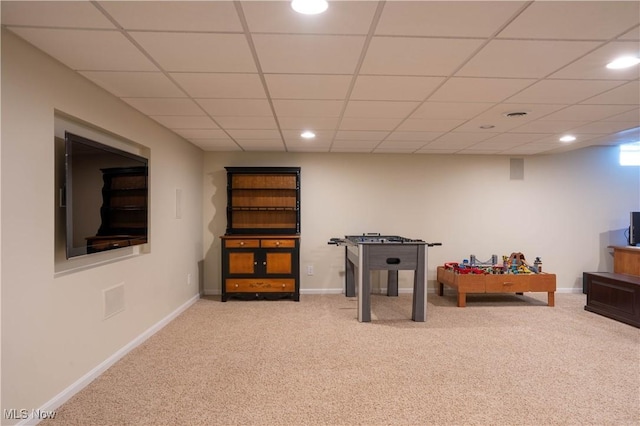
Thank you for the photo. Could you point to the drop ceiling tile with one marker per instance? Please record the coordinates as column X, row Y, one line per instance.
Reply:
column 459, row 140
column 460, row 89
column 495, row 116
column 261, row 144
column 394, row 88
column 324, row 148
column 360, row 135
column 236, row 107
column 211, row 85
column 543, row 126
column 185, row 122
column 413, row 136
column 450, row 110
column 264, row 123
column 507, row 140
column 573, row 20
column 254, row 134
column 351, row 149
column 88, row 50
column 562, row 91
column 526, row 149
column 307, row 108
column 164, row 106
column 308, row 123
column 445, row 19
column 307, row 86
column 359, row 144
column 342, row 17
column 60, row 14
column 209, row 134
column 427, row 150
column 400, row 145
column 375, row 124
column 473, row 150
column 605, row 127
column 379, row 109
column 232, row 53
column 216, row 144
column 593, row 65
column 135, row 84
column 426, row 125
column 308, row 54
column 174, row 15
column 627, row 94
column 634, row 34
column 629, row 116
column 416, row 56
column 394, row 150
column 524, row 58
column 588, row 112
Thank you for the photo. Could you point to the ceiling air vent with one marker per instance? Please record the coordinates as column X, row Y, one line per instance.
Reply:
column 515, row 114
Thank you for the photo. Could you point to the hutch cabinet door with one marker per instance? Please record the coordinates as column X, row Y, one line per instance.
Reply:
column 242, row 262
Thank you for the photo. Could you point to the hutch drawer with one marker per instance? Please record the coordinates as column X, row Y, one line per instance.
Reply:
column 252, row 285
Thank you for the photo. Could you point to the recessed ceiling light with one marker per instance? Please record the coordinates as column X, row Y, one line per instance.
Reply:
column 568, row 138
column 309, row 7
column 308, row 134
column 623, row 62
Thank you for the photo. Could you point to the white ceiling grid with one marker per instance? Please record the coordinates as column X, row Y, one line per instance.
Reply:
column 367, row 76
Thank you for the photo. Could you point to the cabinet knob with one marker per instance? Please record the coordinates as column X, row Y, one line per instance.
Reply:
column 277, row 243
column 264, row 263
column 236, row 286
column 284, row 285
column 241, row 243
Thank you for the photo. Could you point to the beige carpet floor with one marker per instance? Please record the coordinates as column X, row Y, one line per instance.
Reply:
column 502, row 360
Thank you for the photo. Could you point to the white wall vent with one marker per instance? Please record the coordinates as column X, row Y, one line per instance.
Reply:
column 113, row 300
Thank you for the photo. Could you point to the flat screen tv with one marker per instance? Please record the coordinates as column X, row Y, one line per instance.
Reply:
column 106, row 195
column 634, row 229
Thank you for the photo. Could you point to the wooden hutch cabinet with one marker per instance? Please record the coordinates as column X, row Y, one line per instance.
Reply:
column 261, row 247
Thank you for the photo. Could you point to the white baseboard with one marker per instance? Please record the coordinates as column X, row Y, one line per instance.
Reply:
column 384, row 291
column 81, row 383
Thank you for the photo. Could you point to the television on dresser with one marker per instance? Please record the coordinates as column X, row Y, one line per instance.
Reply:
column 634, row 229
column 106, row 197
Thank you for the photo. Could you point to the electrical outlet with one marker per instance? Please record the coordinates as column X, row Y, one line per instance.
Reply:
column 309, row 269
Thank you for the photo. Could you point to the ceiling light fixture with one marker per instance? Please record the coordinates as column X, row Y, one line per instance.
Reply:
column 568, row 138
column 309, row 7
column 623, row 62
column 487, row 126
column 307, row 134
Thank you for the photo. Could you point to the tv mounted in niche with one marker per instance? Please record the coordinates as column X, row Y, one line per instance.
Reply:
column 106, row 197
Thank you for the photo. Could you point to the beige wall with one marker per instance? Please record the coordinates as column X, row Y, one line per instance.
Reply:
column 53, row 330
column 567, row 209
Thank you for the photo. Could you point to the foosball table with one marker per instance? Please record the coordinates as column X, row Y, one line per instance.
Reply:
column 367, row 252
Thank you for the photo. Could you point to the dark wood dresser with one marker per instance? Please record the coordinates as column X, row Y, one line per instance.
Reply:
column 616, row 294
